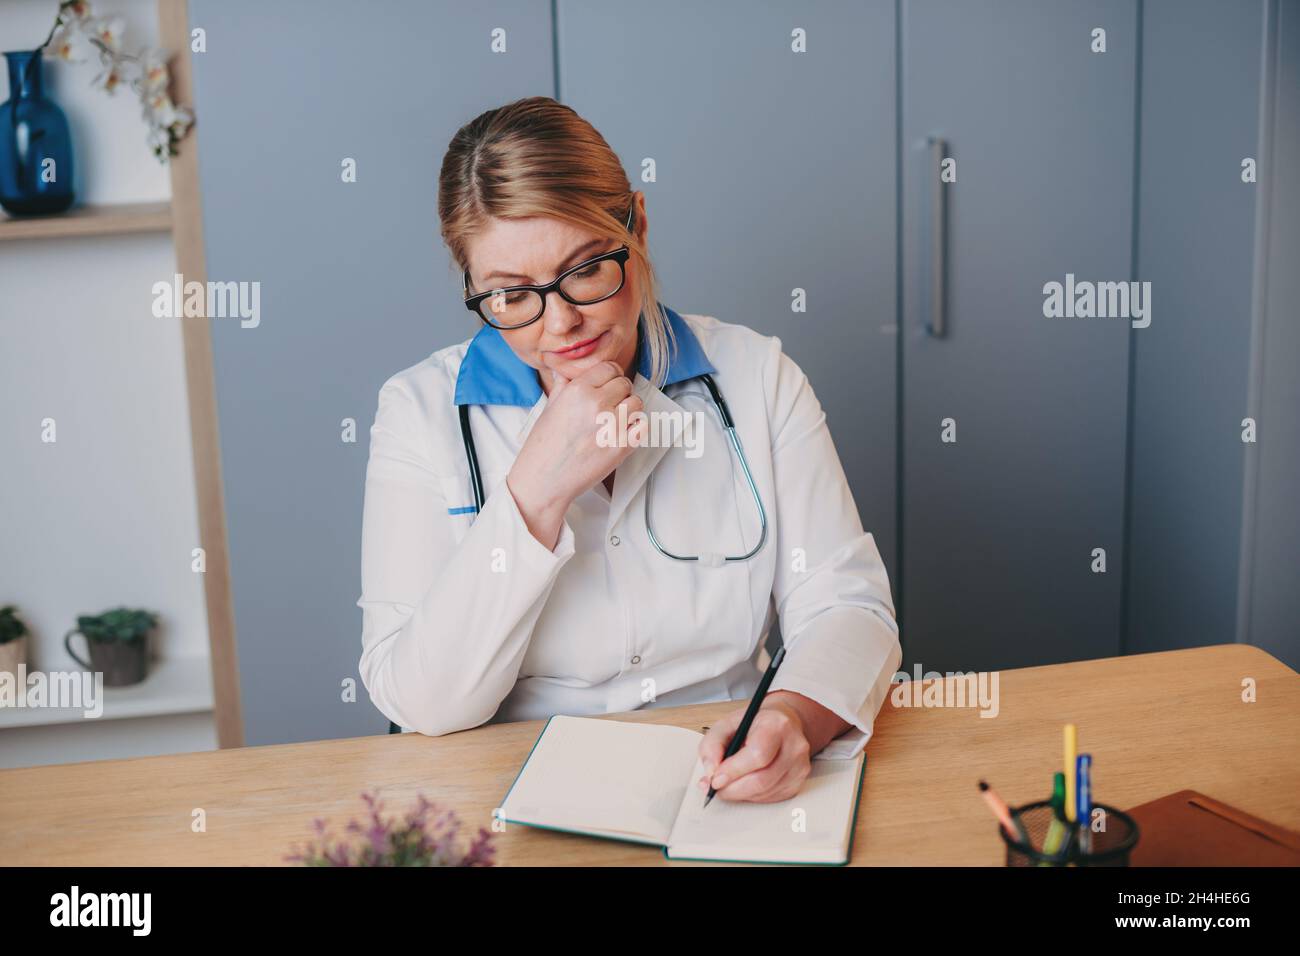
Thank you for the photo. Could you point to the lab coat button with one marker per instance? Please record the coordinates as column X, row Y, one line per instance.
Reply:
column 614, row 539
column 637, row 659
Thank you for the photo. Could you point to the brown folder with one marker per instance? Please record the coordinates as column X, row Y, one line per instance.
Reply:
column 1190, row 829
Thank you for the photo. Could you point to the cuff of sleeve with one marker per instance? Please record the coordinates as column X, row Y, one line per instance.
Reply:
column 531, row 550
column 844, row 661
column 848, row 744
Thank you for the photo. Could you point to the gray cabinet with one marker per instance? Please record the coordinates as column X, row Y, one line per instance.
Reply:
column 999, row 526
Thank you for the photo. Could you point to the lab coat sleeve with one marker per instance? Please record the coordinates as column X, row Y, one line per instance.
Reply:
column 445, row 625
column 831, row 588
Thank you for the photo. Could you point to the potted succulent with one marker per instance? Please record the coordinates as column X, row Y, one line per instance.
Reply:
column 118, row 644
column 13, row 640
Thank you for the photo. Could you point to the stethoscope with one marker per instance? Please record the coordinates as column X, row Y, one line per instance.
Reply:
column 709, row 559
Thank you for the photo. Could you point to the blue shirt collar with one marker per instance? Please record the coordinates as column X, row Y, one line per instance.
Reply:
column 491, row 373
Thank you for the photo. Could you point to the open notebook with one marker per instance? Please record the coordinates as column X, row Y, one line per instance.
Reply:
column 637, row 782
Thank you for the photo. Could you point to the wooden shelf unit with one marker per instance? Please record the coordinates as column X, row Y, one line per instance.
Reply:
column 182, row 683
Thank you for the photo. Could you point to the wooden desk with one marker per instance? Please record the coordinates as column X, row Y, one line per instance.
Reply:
column 1154, row 723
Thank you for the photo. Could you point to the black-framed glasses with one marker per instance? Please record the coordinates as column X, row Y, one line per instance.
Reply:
column 515, row 306
column 589, row 282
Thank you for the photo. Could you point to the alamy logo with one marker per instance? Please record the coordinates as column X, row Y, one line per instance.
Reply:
column 211, row 300
column 56, row 689
column 661, row 429
column 1102, row 300
column 953, row 689
column 102, row 909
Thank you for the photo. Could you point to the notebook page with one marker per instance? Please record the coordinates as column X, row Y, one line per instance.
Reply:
column 741, row 830
column 605, row 776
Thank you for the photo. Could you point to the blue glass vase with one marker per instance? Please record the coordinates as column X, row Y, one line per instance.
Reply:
column 35, row 144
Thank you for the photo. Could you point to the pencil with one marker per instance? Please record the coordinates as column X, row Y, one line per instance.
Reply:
column 1003, row 813
column 1071, row 771
column 738, row 739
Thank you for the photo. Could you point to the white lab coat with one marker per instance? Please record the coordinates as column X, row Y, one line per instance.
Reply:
column 468, row 620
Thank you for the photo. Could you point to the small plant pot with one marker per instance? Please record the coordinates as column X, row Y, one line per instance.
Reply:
column 13, row 655
column 123, row 663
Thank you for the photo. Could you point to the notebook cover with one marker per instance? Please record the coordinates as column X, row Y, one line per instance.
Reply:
column 1188, row 828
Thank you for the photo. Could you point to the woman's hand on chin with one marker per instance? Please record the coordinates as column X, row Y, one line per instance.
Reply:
column 564, row 455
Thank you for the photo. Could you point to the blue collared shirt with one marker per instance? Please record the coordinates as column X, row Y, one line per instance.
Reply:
column 492, row 374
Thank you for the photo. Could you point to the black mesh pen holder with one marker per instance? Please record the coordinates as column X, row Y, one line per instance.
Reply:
column 1110, row 847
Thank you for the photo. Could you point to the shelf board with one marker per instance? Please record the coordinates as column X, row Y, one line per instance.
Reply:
column 109, row 220
column 178, row 685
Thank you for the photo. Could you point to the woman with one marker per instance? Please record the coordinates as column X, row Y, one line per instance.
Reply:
column 554, row 597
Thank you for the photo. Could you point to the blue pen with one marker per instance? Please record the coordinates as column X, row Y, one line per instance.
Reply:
column 1083, row 791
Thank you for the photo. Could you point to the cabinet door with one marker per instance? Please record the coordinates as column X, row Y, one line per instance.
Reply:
column 1000, row 526
column 774, row 171
column 1200, row 118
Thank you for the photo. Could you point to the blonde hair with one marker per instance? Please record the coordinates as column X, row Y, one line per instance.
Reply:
column 537, row 157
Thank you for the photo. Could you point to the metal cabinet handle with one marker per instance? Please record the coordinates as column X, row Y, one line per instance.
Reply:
column 937, row 326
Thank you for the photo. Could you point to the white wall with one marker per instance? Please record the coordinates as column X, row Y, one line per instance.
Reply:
column 106, row 514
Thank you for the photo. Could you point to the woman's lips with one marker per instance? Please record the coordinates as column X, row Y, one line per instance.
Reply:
column 582, row 349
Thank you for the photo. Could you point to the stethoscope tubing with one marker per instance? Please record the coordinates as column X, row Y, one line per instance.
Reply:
column 728, row 424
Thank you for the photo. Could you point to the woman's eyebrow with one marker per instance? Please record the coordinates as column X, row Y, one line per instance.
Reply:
column 574, row 257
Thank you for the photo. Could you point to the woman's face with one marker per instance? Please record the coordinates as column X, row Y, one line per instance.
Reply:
column 535, row 251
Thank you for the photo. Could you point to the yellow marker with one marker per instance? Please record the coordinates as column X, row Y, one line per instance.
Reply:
column 1071, row 784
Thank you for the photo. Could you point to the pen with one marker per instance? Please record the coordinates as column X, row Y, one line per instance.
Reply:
column 1084, row 775
column 738, row 740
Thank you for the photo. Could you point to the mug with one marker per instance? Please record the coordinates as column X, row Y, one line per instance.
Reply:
column 122, row 662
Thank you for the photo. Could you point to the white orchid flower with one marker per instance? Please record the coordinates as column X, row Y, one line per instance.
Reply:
column 110, row 78
column 184, row 120
column 153, row 69
column 78, row 35
column 74, row 10
column 71, row 44
column 108, row 31
column 159, row 109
